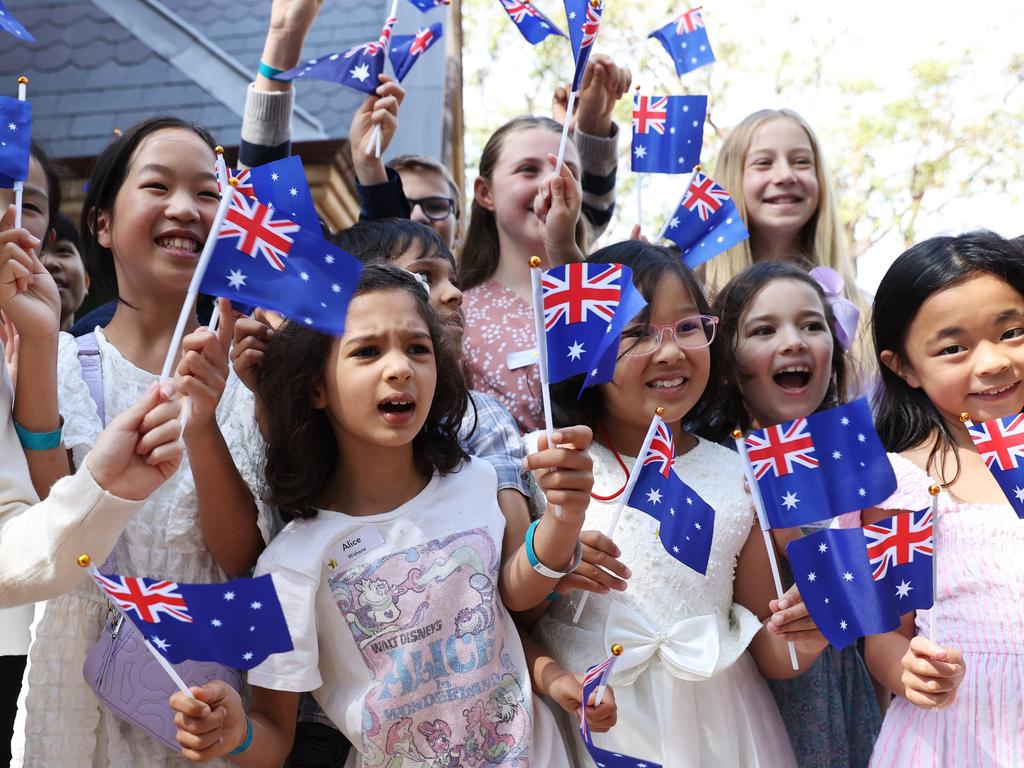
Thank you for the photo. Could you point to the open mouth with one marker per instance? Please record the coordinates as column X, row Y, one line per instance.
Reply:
column 793, row 377
column 397, row 410
column 783, row 200
column 996, row 392
column 662, row 384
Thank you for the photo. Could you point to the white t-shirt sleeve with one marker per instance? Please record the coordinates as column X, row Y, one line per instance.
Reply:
column 298, row 669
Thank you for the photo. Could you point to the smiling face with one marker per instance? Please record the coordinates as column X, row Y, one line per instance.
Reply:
column 780, row 182
column 162, row 213
column 445, row 296
column 515, row 181
column 783, row 353
column 380, row 377
column 35, row 201
column 64, row 263
column 965, row 349
column 671, row 376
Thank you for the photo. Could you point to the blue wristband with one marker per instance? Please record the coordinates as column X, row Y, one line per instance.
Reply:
column 39, row 441
column 269, row 72
column 538, row 566
column 245, row 742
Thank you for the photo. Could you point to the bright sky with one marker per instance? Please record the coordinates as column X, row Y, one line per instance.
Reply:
column 871, row 40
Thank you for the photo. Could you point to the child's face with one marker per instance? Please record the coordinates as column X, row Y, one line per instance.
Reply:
column 35, row 201
column 64, row 263
column 783, row 357
column 517, row 178
column 422, row 184
column 380, row 376
column 445, row 296
column 671, row 376
column 965, row 349
column 162, row 213
column 780, row 182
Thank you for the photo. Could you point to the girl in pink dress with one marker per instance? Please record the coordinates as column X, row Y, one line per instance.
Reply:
column 949, row 327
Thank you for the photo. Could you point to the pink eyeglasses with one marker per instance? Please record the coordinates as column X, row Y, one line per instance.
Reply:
column 692, row 332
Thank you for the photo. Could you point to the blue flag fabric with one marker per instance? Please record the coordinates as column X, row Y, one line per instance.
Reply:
column 686, row 41
column 358, row 67
column 429, row 5
column 15, row 140
column 686, row 523
column 860, row 581
column 668, row 133
column 581, row 303
column 237, row 623
column 282, row 185
column 10, row 24
column 584, row 17
column 603, row 758
column 828, row 464
column 265, row 259
column 1000, row 443
column 407, row 49
column 706, row 223
column 531, row 23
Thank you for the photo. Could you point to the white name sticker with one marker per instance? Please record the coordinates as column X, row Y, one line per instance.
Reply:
column 522, row 358
column 355, row 546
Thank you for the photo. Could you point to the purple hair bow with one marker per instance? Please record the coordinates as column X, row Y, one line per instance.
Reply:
column 845, row 311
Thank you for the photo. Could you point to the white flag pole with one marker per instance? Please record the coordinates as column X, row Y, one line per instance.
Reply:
column 542, row 352
column 616, row 652
column 373, row 142
column 19, row 185
column 934, row 489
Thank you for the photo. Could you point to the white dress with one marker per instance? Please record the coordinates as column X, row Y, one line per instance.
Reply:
column 60, row 723
column 687, row 692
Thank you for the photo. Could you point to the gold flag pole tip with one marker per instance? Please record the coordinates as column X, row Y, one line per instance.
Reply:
column 219, row 149
column 616, row 649
column 934, row 490
column 22, row 80
column 534, row 262
column 660, row 410
column 84, row 561
column 737, row 434
column 233, row 181
column 965, row 417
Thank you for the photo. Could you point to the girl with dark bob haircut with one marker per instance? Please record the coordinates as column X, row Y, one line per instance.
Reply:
column 301, row 450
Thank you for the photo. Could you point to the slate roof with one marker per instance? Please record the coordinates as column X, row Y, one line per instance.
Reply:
column 89, row 73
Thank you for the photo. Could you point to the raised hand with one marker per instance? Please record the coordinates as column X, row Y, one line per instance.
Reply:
column 28, row 295
column 202, row 372
column 379, row 109
column 210, row 723
column 603, row 84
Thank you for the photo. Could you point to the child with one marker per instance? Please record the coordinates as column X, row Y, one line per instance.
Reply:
column 673, row 709
column 780, row 359
column 404, row 643
column 151, row 201
column 506, row 228
column 773, row 165
column 949, row 327
column 63, row 260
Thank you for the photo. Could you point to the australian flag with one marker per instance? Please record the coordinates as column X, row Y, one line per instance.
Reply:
column 603, row 758
column 238, row 623
column 706, row 223
column 581, row 303
column 860, row 581
column 265, row 259
column 533, row 24
column 15, row 140
column 686, row 41
column 407, row 49
column 686, row 523
column 282, row 185
column 584, row 18
column 358, row 67
column 828, row 464
column 668, row 132
column 1000, row 443
column 10, row 24
column 428, row 5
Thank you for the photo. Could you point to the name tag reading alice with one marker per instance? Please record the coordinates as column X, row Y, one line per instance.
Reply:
column 354, row 546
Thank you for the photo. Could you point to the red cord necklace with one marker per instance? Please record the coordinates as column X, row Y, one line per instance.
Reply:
column 607, row 441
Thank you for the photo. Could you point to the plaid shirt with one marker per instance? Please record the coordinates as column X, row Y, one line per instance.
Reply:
column 489, row 432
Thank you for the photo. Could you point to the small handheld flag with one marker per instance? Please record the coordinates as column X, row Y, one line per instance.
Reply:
column 283, row 186
column 407, row 49
column 429, row 5
column 531, row 23
column 584, row 17
column 358, row 67
column 706, row 223
column 15, row 140
column 828, row 464
column 1000, row 443
column 10, row 24
column 686, row 41
column 860, row 581
column 668, row 133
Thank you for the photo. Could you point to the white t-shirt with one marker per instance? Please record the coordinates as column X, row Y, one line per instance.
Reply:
column 400, row 633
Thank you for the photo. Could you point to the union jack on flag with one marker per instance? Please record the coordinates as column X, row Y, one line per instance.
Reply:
column 406, row 49
column 685, row 39
column 518, row 10
column 584, row 17
column 689, row 21
column 580, row 290
column 662, row 450
column 596, row 674
column 650, row 114
column 245, row 186
column 259, row 231
column 1000, row 443
column 531, row 23
column 704, row 196
column 895, row 540
column 147, row 601
column 374, row 47
column 779, row 449
column 591, row 26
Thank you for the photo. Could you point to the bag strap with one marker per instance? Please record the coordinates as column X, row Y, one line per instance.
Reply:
column 92, row 374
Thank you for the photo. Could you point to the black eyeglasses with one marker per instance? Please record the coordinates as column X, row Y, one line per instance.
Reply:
column 434, row 208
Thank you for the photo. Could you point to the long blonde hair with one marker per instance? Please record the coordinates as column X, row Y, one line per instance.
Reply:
column 822, row 239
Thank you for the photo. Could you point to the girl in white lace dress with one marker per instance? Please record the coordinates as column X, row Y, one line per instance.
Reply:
column 697, row 697
column 153, row 196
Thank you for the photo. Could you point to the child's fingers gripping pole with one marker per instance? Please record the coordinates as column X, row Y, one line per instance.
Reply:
column 634, row 474
column 542, row 352
column 85, row 561
column 755, row 491
column 565, row 131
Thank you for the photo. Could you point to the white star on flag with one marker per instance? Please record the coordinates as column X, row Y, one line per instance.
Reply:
column 823, row 547
column 329, row 259
column 215, row 623
column 640, row 151
column 229, row 596
column 304, row 276
column 575, row 351
column 697, row 526
column 360, row 73
column 673, row 223
column 903, row 590
column 812, row 576
column 654, row 496
column 790, row 500
column 13, row 126
column 256, row 605
column 1019, row 493
column 335, row 288
column 847, row 576
column 842, row 624
column 163, row 645
column 837, row 455
column 861, row 492
column 672, row 130
column 247, row 656
column 845, row 421
column 236, row 279
column 293, row 192
column 274, row 176
column 861, row 438
column 689, row 500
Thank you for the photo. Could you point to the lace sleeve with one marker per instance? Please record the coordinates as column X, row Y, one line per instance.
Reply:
column 81, row 420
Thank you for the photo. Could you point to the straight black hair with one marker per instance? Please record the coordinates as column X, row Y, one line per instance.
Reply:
column 54, row 172
column 904, row 416
column 384, row 240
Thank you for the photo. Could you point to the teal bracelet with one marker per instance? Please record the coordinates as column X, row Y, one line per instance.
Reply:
column 539, row 567
column 268, row 71
column 246, row 742
column 39, row 441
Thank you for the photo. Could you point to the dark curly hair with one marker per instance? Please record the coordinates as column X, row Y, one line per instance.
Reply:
column 301, row 451
column 727, row 411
